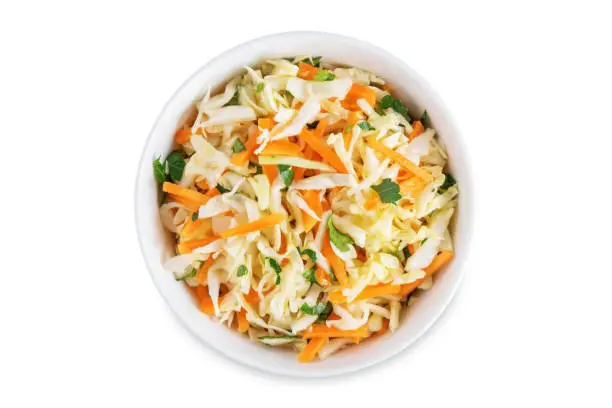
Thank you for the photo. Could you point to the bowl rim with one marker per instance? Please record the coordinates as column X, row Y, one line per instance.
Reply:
column 467, row 206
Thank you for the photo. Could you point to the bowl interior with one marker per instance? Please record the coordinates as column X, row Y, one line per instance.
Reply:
column 157, row 246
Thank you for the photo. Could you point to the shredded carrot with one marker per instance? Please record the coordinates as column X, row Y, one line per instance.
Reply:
column 318, row 145
column 309, row 352
column 243, row 323
column 321, row 277
column 307, row 71
column 183, row 192
column 417, row 129
column 242, row 157
column 193, row 228
column 185, row 202
column 270, row 171
column 206, row 303
column 265, row 123
column 411, row 187
column 321, row 330
column 188, row 246
column 252, row 297
column 198, row 291
column 182, row 136
column 203, row 184
column 438, row 262
column 203, row 272
column 373, row 202
column 312, row 199
column 399, row 159
column 263, row 222
column 334, row 260
column 282, row 148
column 361, row 254
column 358, row 92
column 384, row 328
column 367, row 293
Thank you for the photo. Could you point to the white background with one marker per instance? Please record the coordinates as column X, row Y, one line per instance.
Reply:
column 81, row 84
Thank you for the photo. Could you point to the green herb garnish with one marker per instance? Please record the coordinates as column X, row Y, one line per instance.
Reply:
column 234, row 100
column 324, row 315
column 390, row 102
column 337, row 238
column 238, row 146
column 222, row 189
column 308, row 252
column 195, row 216
column 449, row 181
column 425, row 119
column 242, row 271
column 286, row 173
column 158, row 171
column 324, row 75
column 189, row 273
column 406, row 252
column 314, row 61
column 260, row 87
column 315, row 310
column 276, row 267
column 176, row 165
column 388, row 191
column 310, row 276
column 366, row 126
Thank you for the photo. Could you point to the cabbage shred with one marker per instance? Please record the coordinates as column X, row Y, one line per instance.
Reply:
column 353, row 218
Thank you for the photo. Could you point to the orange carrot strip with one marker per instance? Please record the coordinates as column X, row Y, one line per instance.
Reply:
column 307, row 71
column 242, row 157
column 252, row 297
column 438, row 262
column 191, row 227
column 334, row 260
column 318, row 145
column 312, row 199
column 182, row 136
column 200, row 291
column 183, row 192
column 206, row 303
column 399, row 159
column 270, row 171
column 187, row 203
column 282, row 148
column 417, row 129
column 367, row 293
column 358, row 92
column 243, row 323
column 321, row 277
column 263, row 222
column 188, row 246
column 298, row 172
column 265, row 123
column 203, row 184
column 373, row 202
column 384, row 328
column 411, row 187
column 203, row 272
column 321, row 330
column 309, row 352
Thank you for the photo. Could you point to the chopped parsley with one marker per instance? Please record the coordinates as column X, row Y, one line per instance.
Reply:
column 310, row 253
column 449, row 181
column 390, row 102
column 366, row 126
column 195, row 216
column 242, row 271
column 238, row 146
column 276, row 267
column 315, row 310
column 324, row 75
column 286, row 173
column 222, row 189
column 337, row 238
column 314, row 61
column 425, row 121
column 388, row 191
column 257, row 166
column 176, row 165
column 310, row 276
column 260, row 87
column 158, row 171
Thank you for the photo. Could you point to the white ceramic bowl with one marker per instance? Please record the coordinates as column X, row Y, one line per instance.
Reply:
column 157, row 246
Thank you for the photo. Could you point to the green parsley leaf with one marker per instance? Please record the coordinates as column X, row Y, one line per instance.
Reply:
column 315, row 310
column 337, row 238
column 314, row 61
column 189, row 273
column 366, row 126
column 222, row 189
column 158, row 171
column 195, row 216
column 449, row 181
column 260, row 87
column 406, row 252
column 309, row 275
column 310, row 253
column 425, row 121
column 276, row 267
column 242, row 271
column 324, row 75
column 424, row 240
column 257, row 166
column 176, row 165
column 313, row 125
column 238, row 146
column 234, row 100
column 388, row 191
column 286, row 172
column 390, row 102
column 286, row 93
column 324, row 315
